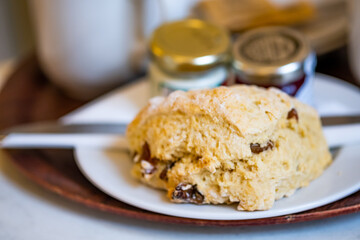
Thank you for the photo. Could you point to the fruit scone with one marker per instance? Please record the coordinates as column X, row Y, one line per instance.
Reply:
column 240, row 144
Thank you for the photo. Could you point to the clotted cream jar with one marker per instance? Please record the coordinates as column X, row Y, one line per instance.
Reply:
column 188, row 54
column 275, row 57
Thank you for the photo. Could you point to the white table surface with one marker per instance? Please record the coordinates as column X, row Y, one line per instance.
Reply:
column 29, row 212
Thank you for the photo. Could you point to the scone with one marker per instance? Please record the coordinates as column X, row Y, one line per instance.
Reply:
column 241, row 144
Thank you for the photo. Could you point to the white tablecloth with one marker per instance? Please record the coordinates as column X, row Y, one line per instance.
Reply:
column 29, row 212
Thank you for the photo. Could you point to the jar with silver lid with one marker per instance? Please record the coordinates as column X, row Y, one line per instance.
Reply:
column 275, row 57
column 188, row 54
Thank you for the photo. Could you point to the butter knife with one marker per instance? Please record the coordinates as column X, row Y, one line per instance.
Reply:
column 338, row 130
column 114, row 128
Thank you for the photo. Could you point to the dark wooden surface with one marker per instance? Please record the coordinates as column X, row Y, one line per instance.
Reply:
column 28, row 97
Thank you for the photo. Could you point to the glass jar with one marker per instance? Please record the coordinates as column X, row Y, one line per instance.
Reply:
column 275, row 57
column 187, row 55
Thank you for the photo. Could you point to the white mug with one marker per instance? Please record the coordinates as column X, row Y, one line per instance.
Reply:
column 86, row 47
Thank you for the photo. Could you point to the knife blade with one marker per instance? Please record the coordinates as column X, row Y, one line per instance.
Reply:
column 58, row 135
column 58, row 128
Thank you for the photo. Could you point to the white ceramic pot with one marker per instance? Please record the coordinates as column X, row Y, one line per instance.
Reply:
column 85, row 47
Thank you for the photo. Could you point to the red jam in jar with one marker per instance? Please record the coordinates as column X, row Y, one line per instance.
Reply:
column 290, row 88
column 275, row 57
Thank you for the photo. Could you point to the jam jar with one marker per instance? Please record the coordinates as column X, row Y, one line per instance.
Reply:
column 275, row 57
column 187, row 55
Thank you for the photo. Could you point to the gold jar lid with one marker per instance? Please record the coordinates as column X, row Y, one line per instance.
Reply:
column 189, row 46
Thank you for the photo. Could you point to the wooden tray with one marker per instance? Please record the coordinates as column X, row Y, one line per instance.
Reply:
column 28, row 96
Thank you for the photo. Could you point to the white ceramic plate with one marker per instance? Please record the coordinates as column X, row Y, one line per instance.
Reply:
column 109, row 170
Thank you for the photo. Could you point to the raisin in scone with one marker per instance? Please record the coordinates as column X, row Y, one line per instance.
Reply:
column 241, row 144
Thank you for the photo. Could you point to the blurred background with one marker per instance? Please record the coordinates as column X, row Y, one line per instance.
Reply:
column 326, row 22
column 16, row 29
column 99, row 45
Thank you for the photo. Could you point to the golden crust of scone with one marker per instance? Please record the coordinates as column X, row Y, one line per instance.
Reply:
column 263, row 108
column 228, row 144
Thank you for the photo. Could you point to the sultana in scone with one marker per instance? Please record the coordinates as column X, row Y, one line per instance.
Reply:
column 240, row 144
